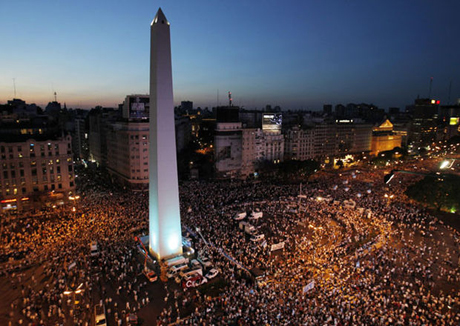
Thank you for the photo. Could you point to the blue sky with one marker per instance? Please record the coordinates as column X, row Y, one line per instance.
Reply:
column 296, row 54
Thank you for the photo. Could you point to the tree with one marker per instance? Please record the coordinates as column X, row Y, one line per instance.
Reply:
column 442, row 193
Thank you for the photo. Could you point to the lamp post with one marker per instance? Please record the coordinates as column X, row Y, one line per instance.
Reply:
column 78, row 290
column 387, row 178
column 389, row 198
column 74, row 199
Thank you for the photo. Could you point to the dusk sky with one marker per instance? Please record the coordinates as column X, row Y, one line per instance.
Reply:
column 295, row 54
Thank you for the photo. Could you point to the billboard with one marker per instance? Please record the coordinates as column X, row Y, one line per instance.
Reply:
column 139, row 107
column 272, row 122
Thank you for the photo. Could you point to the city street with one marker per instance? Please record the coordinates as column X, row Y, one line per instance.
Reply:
column 349, row 256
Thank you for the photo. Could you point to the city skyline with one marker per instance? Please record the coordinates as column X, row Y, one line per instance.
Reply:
column 295, row 55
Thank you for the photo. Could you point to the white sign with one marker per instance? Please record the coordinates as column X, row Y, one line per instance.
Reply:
column 277, row 246
column 309, row 287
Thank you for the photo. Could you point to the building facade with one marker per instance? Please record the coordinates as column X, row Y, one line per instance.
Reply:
column 327, row 140
column 35, row 170
column 128, row 153
column 228, row 148
column 384, row 139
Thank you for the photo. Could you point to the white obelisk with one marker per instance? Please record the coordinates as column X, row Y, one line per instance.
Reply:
column 165, row 235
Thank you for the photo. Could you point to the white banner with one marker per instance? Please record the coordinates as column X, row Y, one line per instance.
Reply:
column 309, row 287
column 277, row 246
column 72, row 265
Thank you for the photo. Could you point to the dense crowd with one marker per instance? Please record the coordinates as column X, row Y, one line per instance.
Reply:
column 48, row 259
column 374, row 260
column 367, row 259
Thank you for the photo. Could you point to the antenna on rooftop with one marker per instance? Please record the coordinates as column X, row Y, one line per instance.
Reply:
column 431, row 83
column 230, row 99
column 55, row 97
column 14, row 86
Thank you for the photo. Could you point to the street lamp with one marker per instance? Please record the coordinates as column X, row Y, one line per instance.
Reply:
column 389, row 198
column 78, row 290
column 387, row 178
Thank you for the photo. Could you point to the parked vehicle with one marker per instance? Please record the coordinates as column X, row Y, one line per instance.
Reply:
column 94, row 250
column 132, row 319
column 212, row 273
column 239, row 216
column 176, row 261
column 173, row 271
column 151, row 275
column 99, row 315
column 246, row 227
column 190, row 271
column 194, row 281
column 256, row 215
column 205, row 262
column 257, row 237
column 195, row 263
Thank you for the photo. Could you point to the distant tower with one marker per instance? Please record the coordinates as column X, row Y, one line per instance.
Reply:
column 164, row 213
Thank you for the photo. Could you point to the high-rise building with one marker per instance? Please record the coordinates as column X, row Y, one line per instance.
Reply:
column 99, row 120
column 228, row 142
column 36, row 158
column 136, row 107
column 35, row 170
column 187, row 106
column 328, row 140
column 127, row 153
column 424, row 127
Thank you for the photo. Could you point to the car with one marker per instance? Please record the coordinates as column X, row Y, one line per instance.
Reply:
column 193, row 281
column 205, row 262
column 173, row 271
column 132, row 319
column 179, row 260
column 193, row 276
column 99, row 315
column 191, row 271
column 239, row 216
column 256, row 215
column 195, row 263
column 201, row 281
column 211, row 274
column 94, row 249
column 151, row 275
column 257, row 237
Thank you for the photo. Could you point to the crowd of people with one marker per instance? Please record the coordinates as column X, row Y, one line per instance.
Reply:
column 350, row 256
column 373, row 260
column 47, row 259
